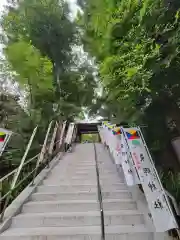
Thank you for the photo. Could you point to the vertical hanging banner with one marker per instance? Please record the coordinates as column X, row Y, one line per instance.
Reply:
column 118, row 148
column 158, row 203
column 101, row 130
column 109, row 135
column 5, row 136
column 117, row 145
column 104, row 132
column 128, row 166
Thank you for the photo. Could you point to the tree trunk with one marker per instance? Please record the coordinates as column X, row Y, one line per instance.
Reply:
column 172, row 110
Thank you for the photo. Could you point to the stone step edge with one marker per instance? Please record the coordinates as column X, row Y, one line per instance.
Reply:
column 79, row 192
column 85, row 214
column 93, row 230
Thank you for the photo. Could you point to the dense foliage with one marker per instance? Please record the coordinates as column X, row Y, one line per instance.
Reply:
column 136, row 44
column 38, row 38
column 137, row 49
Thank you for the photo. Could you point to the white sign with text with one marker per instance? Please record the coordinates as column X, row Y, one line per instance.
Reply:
column 158, row 203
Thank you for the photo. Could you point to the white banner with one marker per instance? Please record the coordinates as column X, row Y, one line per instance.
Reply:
column 114, row 139
column 129, row 169
column 110, row 141
column 158, row 203
column 117, row 149
column 4, row 138
column 103, row 130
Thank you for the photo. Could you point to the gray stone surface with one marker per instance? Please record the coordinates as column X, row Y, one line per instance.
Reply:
column 127, row 223
column 65, row 205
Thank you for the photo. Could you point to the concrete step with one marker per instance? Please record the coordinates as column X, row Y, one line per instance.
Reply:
column 121, row 194
column 111, row 181
column 70, row 182
column 61, row 206
column 134, row 232
column 53, row 233
column 64, row 196
column 83, row 176
column 130, row 236
column 118, row 204
column 108, row 163
column 114, row 187
column 93, row 181
column 82, row 168
column 88, row 162
column 111, row 177
column 73, row 177
column 105, row 171
column 87, row 170
column 59, row 219
column 75, row 173
column 123, row 217
column 79, row 164
column 66, row 188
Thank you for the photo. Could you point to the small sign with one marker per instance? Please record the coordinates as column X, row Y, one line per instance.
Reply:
column 4, row 138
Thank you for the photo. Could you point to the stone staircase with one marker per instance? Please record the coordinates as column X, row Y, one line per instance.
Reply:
column 66, row 205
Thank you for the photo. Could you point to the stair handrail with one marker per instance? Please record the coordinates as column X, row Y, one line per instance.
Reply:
column 7, row 176
column 17, row 173
column 60, row 141
column 43, row 151
column 14, row 175
column 71, row 133
column 99, row 195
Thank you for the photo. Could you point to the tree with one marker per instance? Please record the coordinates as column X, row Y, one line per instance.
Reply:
column 43, row 34
column 44, row 25
column 137, row 50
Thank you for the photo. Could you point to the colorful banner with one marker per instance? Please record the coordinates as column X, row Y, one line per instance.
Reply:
column 4, row 138
column 128, row 166
column 158, row 203
column 111, row 135
column 117, row 149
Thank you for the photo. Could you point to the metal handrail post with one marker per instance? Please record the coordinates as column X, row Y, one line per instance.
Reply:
column 24, row 158
column 43, row 150
column 62, row 134
column 53, row 139
column 17, row 173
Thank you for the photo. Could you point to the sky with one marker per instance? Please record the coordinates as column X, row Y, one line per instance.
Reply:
column 72, row 3
column 2, row 2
